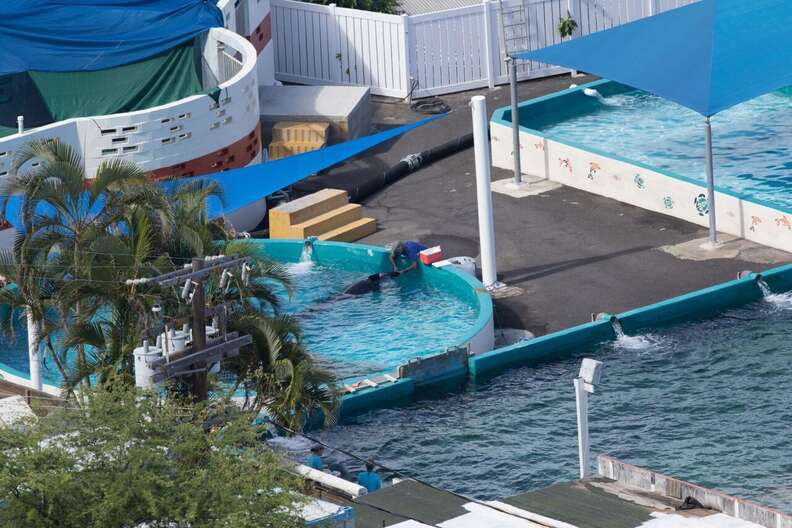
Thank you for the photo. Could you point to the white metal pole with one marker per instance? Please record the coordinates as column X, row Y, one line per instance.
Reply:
column 34, row 358
column 713, row 232
column 20, row 124
column 489, row 273
column 581, row 399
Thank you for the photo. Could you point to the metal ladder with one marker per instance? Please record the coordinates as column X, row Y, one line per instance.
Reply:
column 515, row 37
column 514, row 27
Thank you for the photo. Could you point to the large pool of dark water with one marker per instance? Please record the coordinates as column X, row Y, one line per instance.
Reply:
column 707, row 401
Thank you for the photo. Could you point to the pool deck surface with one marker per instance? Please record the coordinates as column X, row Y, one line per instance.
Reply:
column 565, row 254
column 597, row 503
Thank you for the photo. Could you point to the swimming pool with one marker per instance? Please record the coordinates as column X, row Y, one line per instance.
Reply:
column 643, row 150
column 357, row 335
column 752, row 142
column 706, row 401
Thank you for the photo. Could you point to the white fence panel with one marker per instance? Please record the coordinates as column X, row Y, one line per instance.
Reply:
column 431, row 54
column 316, row 44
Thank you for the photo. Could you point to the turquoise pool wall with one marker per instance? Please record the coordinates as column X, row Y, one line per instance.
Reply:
column 699, row 304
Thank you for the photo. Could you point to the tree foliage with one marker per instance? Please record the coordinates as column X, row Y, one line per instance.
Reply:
column 127, row 459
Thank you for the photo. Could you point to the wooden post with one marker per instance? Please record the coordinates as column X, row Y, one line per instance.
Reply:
column 200, row 386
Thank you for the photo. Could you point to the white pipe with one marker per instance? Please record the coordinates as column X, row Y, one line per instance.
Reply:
column 581, row 401
column 20, row 124
column 349, row 489
column 34, row 358
column 713, row 232
column 489, row 273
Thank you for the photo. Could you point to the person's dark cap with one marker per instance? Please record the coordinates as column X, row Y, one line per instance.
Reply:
column 397, row 248
column 370, row 464
column 317, row 449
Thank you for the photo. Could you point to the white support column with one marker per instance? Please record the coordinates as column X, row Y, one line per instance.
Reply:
column 34, row 358
column 20, row 124
column 489, row 274
column 490, row 43
column 581, row 400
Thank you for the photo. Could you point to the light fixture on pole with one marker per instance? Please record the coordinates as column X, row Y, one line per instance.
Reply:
column 589, row 376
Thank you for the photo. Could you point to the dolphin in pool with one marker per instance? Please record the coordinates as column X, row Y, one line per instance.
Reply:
column 362, row 287
column 368, row 285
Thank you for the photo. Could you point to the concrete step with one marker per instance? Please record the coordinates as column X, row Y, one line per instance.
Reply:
column 282, row 149
column 289, row 214
column 329, row 221
column 351, row 232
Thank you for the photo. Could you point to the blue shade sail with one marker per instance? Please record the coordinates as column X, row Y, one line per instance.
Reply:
column 247, row 185
column 707, row 56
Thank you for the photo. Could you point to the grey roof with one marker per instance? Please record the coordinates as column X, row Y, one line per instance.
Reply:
column 420, row 7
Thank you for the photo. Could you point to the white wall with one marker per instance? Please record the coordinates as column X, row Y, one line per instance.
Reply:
column 639, row 186
column 443, row 52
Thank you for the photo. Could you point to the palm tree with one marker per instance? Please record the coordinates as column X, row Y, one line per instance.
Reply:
column 79, row 245
column 67, row 222
column 284, row 378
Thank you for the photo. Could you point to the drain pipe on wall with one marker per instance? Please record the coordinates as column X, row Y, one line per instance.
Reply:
column 489, row 274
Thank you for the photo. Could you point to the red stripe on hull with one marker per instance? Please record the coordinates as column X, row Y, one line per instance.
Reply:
column 262, row 34
column 235, row 155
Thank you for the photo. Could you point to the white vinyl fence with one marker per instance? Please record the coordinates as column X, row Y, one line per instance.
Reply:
column 430, row 54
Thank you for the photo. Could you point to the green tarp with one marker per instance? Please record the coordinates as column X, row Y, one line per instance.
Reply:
column 46, row 97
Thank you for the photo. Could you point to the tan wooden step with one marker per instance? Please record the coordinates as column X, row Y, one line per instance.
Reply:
column 282, row 149
column 329, row 221
column 289, row 214
column 351, row 232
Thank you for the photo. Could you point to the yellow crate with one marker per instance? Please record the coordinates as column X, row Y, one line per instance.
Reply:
column 294, row 132
column 281, row 149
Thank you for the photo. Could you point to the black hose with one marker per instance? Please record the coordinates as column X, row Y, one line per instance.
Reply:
column 409, row 165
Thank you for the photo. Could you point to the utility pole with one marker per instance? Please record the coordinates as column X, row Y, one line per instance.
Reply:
column 200, row 387
column 202, row 352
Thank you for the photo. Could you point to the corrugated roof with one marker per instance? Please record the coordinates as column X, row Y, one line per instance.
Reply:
column 420, row 7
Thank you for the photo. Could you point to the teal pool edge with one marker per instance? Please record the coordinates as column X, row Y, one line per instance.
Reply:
column 699, row 304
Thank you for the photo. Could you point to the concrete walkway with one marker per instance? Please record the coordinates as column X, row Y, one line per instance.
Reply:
column 566, row 253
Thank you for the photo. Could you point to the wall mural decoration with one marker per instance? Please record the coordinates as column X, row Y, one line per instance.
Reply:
column 755, row 221
column 701, row 204
column 783, row 221
column 668, row 202
column 593, row 169
column 639, row 181
column 565, row 162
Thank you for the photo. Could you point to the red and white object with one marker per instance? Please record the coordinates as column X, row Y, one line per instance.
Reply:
column 431, row 255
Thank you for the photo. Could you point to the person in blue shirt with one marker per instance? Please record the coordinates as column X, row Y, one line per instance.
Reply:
column 408, row 249
column 370, row 479
column 314, row 460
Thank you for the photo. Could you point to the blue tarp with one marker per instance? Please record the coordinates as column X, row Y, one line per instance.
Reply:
column 245, row 186
column 78, row 35
column 707, row 56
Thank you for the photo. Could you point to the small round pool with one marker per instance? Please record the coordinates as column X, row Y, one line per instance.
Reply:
column 419, row 313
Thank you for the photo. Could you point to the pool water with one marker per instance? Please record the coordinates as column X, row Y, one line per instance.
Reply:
column 369, row 333
column 705, row 401
column 353, row 335
column 752, row 142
